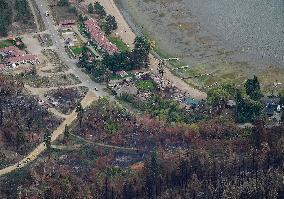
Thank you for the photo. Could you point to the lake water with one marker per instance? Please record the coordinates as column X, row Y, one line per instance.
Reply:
column 253, row 27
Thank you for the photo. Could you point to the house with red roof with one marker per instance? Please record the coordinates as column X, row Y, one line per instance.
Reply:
column 22, row 59
column 11, row 51
column 98, row 36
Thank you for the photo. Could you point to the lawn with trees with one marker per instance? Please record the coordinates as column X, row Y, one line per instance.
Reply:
column 124, row 60
column 119, row 43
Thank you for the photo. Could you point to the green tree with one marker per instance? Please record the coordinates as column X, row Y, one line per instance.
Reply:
column 99, row 10
column 252, row 87
column 47, row 139
column 110, row 24
column 247, row 110
column 152, row 170
column 72, row 9
column 63, row 3
column 281, row 96
column 140, row 52
column 80, row 111
column 23, row 10
column 20, row 138
column 66, row 132
column 90, row 8
column 5, row 17
column 218, row 95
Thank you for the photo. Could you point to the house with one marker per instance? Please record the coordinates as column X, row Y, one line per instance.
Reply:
column 11, row 51
column 68, row 23
column 270, row 104
column 274, row 101
column 98, row 36
column 70, row 38
column 3, row 54
column 121, row 73
column 191, row 102
column 22, row 59
column 231, row 104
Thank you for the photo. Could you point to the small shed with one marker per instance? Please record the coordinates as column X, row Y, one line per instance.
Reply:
column 231, row 104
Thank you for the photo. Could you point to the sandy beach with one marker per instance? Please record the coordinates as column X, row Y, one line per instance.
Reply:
column 128, row 36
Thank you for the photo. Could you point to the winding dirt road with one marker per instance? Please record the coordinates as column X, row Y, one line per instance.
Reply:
column 88, row 99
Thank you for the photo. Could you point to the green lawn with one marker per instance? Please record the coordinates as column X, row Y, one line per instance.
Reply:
column 76, row 50
column 146, row 85
column 6, row 43
column 119, row 43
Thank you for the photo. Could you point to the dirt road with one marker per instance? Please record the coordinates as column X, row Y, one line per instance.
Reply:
column 88, row 99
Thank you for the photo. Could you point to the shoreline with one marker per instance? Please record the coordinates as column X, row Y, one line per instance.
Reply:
column 128, row 34
column 204, row 54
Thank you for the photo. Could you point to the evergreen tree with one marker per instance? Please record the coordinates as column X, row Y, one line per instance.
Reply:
column 99, row 10
column 90, row 8
column 152, row 173
column 252, row 87
column 140, row 52
column 66, row 132
column 110, row 24
column 23, row 10
column 47, row 139
column 5, row 17
column 63, row 3
column 80, row 112
column 20, row 138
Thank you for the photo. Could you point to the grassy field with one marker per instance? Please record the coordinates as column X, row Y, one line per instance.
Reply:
column 6, row 43
column 119, row 43
column 77, row 50
column 146, row 85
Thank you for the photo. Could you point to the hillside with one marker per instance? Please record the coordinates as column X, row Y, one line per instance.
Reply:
column 15, row 16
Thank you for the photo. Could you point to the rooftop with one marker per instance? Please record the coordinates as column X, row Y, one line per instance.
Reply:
column 98, row 35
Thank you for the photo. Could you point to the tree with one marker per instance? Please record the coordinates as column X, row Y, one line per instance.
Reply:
column 63, row 3
column 5, row 17
column 47, row 139
column 80, row 112
column 66, row 132
column 247, row 110
column 9, row 87
column 218, row 95
column 140, row 52
column 99, row 10
column 110, row 24
column 252, row 87
column 20, row 138
column 90, row 8
column 23, row 10
column 258, row 133
column 152, row 173
column 282, row 115
column 72, row 9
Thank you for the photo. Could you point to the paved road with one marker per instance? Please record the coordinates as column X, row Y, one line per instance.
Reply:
column 59, row 48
